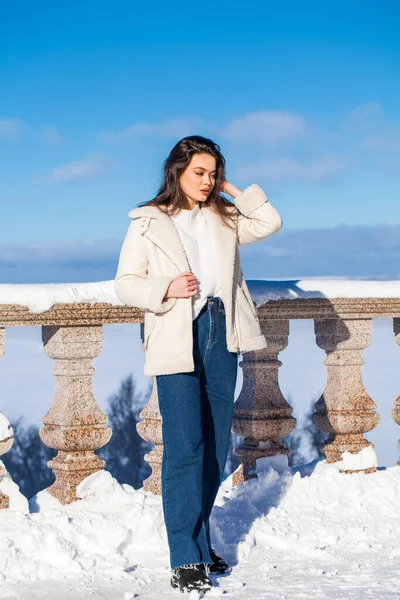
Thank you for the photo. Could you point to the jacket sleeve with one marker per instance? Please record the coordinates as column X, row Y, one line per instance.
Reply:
column 132, row 285
column 257, row 219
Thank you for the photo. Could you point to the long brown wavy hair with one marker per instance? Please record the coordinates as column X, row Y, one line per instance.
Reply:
column 170, row 197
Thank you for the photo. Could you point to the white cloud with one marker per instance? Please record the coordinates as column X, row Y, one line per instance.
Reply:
column 292, row 169
column 10, row 129
column 171, row 128
column 88, row 166
column 268, row 126
column 284, row 139
column 50, row 135
column 391, row 164
column 383, row 142
column 377, row 132
column 365, row 118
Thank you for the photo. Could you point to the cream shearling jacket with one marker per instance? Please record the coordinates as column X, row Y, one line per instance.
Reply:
column 152, row 255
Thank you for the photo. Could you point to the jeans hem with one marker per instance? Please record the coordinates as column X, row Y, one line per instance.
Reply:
column 187, row 566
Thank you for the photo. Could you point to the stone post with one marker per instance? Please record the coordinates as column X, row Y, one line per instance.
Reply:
column 7, row 435
column 344, row 410
column 262, row 416
column 396, row 410
column 74, row 425
column 150, row 429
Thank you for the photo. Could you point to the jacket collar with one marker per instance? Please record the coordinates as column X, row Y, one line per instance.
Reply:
column 153, row 211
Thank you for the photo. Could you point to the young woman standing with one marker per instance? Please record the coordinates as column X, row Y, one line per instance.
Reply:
column 180, row 263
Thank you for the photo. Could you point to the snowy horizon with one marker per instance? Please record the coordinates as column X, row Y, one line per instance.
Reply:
column 344, row 251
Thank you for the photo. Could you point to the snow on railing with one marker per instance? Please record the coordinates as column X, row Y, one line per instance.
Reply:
column 72, row 316
column 41, row 297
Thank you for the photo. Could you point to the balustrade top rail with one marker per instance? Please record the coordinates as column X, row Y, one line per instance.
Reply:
column 96, row 303
column 99, row 313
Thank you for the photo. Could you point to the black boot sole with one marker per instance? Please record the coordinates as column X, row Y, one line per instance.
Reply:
column 183, row 589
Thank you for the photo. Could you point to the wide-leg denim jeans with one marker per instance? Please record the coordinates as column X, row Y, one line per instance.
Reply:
column 196, row 410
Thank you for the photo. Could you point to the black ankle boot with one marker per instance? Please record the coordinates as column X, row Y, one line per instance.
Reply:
column 219, row 565
column 191, row 577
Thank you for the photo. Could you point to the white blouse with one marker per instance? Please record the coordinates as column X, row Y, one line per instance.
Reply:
column 191, row 225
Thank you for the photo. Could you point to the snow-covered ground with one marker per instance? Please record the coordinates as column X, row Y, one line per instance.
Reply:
column 302, row 533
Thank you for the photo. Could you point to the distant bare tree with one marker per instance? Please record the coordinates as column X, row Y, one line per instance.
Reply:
column 125, row 452
column 27, row 460
column 305, row 441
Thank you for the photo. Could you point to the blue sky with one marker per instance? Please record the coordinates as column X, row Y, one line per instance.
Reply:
column 302, row 97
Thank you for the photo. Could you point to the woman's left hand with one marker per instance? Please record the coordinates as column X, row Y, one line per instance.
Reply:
column 232, row 190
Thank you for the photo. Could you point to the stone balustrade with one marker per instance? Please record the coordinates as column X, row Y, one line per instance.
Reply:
column 76, row 427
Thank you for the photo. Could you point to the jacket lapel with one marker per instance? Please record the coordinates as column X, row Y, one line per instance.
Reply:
column 162, row 232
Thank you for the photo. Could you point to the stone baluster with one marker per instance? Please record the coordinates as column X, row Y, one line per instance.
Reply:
column 8, row 435
column 74, row 425
column 262, row 416
column 344, row 410
column 396, row 410
column 150, row 429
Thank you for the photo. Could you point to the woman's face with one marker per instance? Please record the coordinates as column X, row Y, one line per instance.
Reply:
column 198, row 179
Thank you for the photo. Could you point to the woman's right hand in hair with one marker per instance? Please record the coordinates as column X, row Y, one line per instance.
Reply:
column 183, row 286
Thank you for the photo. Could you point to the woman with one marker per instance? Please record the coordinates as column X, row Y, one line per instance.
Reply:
column 180, row 263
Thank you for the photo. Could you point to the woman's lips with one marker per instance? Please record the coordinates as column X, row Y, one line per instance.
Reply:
column 205, row 192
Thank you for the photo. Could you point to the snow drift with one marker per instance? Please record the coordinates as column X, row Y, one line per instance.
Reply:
column 312, row 513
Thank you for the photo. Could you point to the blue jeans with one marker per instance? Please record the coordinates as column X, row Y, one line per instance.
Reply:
column 196, row 410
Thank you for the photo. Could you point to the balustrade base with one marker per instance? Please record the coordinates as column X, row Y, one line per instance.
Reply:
column 337, row 444
column 370, row 470
column 249, row 453
column 70, row 469
column 242, row 474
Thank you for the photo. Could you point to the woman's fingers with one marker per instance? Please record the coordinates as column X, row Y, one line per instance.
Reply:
column 189, row 281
